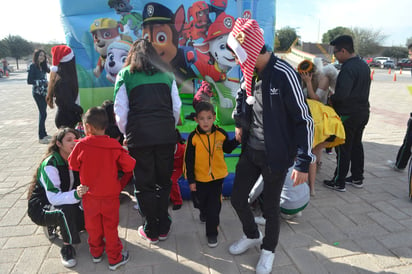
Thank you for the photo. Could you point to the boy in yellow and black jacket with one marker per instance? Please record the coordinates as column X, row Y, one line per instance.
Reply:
column 205, row 166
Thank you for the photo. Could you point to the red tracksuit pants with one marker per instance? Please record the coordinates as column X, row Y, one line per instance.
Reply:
column 101, row 219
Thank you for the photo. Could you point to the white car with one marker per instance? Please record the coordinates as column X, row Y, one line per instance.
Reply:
column 381, row 60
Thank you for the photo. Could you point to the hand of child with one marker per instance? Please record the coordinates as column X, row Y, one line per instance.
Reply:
column 81, row 190
column 192, row 187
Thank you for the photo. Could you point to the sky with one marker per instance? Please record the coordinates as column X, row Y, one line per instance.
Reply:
column 39, row 20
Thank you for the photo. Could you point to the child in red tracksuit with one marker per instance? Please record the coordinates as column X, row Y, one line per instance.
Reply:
column 175, row 195
column 98, row 158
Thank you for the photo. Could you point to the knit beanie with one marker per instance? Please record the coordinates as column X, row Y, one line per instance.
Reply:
column 60, row 54
column 246, row 41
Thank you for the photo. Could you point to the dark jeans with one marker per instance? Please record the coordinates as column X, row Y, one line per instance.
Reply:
column 210, row 204
column 42, row 106
column 351, row 154
column 251, row 164
column 404, row 152
column 154, row 166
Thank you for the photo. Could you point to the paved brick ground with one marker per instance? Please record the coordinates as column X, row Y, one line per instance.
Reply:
column 365, row 230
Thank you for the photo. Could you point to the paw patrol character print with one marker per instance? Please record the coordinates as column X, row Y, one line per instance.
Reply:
column 116, row 56
column 131, row 21
column 198, row 22
column 105, row 31
column 162, row 27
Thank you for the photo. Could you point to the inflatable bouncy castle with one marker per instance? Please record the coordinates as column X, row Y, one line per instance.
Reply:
column 189, row 35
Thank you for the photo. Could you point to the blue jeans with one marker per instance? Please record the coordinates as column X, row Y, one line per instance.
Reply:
column 42, row 106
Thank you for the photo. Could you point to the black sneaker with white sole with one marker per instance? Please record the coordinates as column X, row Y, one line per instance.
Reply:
column 68, row 256
column 125, row 259
column 331, row 184
column 354, row 183
column 212, row 241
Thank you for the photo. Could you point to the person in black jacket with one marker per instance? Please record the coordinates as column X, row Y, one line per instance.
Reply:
column 37, row 77
column 64, row 87
column 55, row 193
column 351, row 103
column 275, row 128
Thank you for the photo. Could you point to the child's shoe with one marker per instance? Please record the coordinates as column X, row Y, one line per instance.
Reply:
column 142, row 234
column 176, row 207
column 50, row 232
column 125, row 259
column 97, row 259
column 68, row 253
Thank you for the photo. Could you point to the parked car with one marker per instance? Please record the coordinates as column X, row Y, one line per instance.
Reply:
column 1, row 72
column 375, row 64
column 389, row 64
column 381, row 60
column 405, row 63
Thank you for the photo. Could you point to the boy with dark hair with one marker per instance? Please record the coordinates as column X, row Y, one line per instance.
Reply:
column 205, row 166
column 98, row 158
column 351, row 103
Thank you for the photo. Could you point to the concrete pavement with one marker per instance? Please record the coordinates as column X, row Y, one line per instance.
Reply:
column 365, row 230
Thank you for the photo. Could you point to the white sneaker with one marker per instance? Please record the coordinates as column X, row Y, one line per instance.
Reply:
column 392, row 165
column 244, row 244
column 265, row 263
column 290, row 216
column 44, row 141
column 260, row 220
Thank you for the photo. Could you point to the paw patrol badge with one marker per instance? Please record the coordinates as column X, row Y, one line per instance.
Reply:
column 228, row 22
column 150, row 10
column 240, row 37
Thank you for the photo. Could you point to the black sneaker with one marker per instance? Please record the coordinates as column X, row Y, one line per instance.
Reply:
column 176, row 207
column 125, row 259
column 354, row 183
column 212, row 241
column 331, row 184
column 202, row 218
column 68, row 253
column 50, row 232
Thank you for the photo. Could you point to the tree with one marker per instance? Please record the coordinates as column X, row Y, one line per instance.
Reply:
column 367, row 41
column 396, row 52
column 286, row 36
column 18, row 47
column 331, row 34
column 4, row 50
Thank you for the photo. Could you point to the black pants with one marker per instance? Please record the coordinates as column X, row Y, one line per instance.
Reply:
column 154, row 167
column 404, row 152
column 210, row 204
column 69, row 218
column 351, row 154
column 251, row 164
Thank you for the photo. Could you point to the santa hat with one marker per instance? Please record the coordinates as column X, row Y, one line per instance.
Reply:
column 246, row 41
column 60, row 54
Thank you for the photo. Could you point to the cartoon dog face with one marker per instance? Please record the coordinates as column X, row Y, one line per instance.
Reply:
column 161, row 36
column 217, row 48
column 121, row 6
column 116, row 57
column 105, row 31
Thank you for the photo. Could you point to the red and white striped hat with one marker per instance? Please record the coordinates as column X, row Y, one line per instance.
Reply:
column 246, row 41
column 60, row 54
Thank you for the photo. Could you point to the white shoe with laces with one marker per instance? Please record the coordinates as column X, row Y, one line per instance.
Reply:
column 244, row 244
column 265, row 264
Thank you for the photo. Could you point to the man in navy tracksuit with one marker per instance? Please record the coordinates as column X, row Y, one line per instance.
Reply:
column 275, row 128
